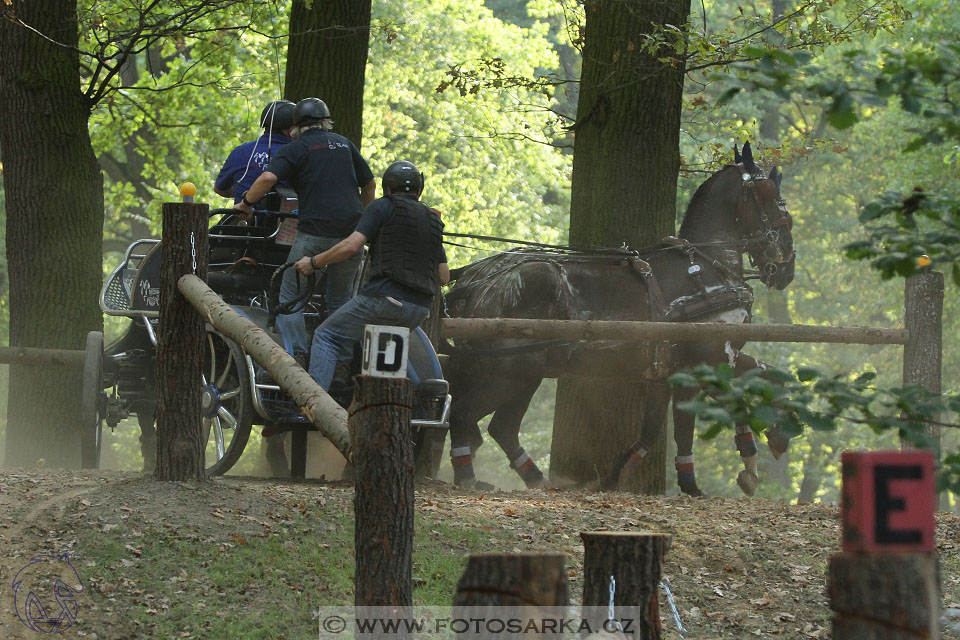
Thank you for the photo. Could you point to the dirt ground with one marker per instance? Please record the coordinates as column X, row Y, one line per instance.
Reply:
column 737, row 568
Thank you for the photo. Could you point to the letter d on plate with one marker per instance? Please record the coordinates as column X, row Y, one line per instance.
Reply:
column 385, row 351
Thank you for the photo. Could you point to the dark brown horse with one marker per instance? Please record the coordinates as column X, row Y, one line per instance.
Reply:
column 698, row 276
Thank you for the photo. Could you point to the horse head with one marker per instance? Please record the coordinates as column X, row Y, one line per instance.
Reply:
column 765, row 225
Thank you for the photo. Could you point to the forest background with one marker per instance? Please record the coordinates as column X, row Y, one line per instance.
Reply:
column 498, row 162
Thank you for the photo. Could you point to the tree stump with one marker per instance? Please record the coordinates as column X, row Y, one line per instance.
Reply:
column 498, row 588
column 884, row 596
column 635, row 561
column 180, row 342
column 383, row 499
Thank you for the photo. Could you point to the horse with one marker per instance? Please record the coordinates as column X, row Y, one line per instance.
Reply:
column 697, row 276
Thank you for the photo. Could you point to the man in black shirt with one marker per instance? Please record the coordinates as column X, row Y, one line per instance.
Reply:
column 406, row 262
column 333, row 184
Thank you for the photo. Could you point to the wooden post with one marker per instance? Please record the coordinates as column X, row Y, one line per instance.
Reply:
column 922, row 353
column 884, row 585
column 383, row 499
column 635, row 561
column 893, row 596
column 180, row 337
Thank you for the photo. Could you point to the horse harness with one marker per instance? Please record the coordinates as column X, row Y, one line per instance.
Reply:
column 704, row 301
column 769, row 235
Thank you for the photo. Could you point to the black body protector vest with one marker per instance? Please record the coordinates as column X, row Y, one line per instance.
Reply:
column 407, row 247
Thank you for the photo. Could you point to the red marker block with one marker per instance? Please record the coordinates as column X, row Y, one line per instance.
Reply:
column 888, row 501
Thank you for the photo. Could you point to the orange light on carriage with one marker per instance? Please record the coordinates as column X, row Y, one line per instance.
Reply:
column 924, row 261
column 188, row 190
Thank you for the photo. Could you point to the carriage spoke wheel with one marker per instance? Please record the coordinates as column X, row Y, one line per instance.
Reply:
column 92, row 402
column 225, row 402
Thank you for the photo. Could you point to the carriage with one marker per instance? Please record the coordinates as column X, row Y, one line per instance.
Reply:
column 244, row 262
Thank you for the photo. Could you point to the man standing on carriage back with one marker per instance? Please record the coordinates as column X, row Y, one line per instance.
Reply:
column 406, row 262
column 333, row 184
column 246, row 162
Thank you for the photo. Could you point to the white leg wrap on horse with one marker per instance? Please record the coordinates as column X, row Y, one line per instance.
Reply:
column 520, row 461
column 459, row 452
column 684, row 459
column 731, row 354
column 750, row 463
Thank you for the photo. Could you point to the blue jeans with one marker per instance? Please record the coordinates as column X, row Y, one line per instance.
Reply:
column 334, row 339
column 341, row 279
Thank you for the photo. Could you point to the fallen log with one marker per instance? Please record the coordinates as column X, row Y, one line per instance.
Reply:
column 317, row 405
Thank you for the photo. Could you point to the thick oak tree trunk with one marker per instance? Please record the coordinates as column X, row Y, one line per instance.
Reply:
column 54, row 206
column 327, row 58
column 625, row 168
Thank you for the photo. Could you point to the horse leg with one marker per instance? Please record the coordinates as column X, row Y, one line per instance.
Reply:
column 148, row 439
column 777, row 441
column 683, row 429
column 654, row 413
column 470, row 404
column 505, row 430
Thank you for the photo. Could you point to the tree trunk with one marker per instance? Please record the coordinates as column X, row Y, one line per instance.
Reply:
column 54, row 206
column 180, row 341
column 812, row 474
column 625, row 167
column 327, row 58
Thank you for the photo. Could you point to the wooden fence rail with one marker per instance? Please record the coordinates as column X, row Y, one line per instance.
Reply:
column 42, row 357
column 672, row 331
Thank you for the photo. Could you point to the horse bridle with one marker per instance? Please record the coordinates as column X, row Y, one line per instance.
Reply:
column 768, row 237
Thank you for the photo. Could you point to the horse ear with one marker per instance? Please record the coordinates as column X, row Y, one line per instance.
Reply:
column 736, row 154
column 748, row 162
column 776, row 176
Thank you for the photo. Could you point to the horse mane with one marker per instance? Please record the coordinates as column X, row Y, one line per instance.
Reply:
column 699, row 203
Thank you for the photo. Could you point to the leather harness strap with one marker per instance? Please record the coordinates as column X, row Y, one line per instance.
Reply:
column 657, row 303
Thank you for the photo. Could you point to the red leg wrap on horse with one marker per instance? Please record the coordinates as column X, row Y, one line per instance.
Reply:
column 746, row 444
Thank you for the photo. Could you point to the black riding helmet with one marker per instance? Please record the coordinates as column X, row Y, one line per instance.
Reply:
column 403, row 176
column 277, row 116
column 310, row 111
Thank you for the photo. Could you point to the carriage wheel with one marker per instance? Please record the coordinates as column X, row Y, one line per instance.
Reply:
column 92, row 402
column 225, row 402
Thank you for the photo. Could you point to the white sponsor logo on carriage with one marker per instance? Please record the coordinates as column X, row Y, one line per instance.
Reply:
column 150, row 295
column 385, row 351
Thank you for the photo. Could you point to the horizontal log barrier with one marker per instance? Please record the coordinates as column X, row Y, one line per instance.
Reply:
column 673, row 331
column 42, row 357
column 317, row 405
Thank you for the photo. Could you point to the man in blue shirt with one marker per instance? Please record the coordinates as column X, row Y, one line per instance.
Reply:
column 406, row 263
column 245, row 163
column 333, row 184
